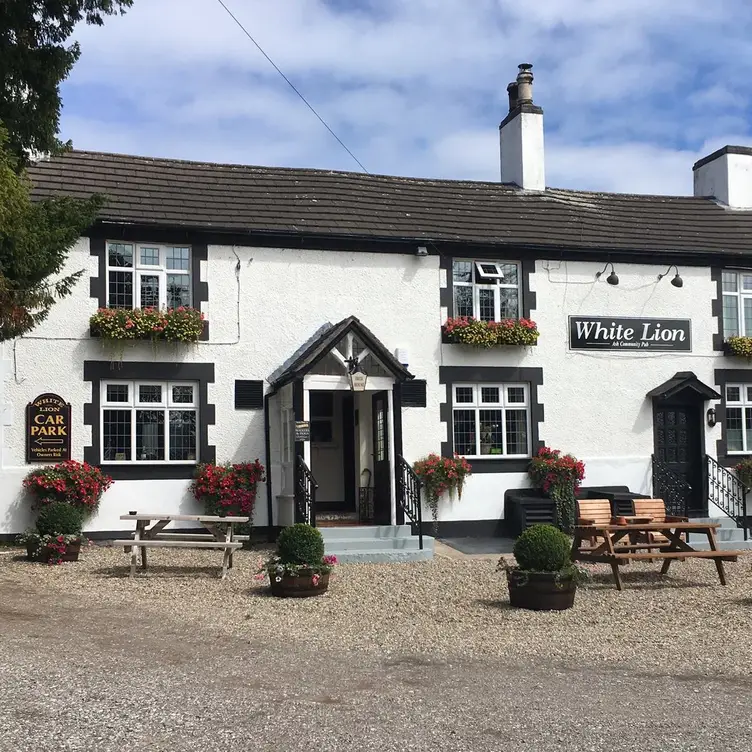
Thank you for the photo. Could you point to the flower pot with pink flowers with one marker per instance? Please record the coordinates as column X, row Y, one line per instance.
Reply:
column 466, row 330
column 299, row 568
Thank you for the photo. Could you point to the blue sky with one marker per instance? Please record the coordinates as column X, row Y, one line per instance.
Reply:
column 634, row 91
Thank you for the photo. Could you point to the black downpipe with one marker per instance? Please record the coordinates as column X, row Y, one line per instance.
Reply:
column 268, row 452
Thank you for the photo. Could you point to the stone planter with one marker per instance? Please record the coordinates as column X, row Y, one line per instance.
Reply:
column 299, row 586
column 540, row 591
column 44, row 554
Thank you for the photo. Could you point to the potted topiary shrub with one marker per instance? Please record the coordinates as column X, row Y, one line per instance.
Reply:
column 57, row 537
column 299, row 568
column 545, row 579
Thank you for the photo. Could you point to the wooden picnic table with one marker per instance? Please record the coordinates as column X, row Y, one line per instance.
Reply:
column 614, row 550
column 220, row 535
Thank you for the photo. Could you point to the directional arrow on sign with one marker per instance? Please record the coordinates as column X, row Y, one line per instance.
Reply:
column 49, row 442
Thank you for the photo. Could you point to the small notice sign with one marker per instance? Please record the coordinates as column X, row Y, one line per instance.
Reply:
column 48, row 429
column 302, row 430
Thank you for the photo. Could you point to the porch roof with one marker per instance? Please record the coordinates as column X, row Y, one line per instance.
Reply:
column 681, row 381
column 324, row 341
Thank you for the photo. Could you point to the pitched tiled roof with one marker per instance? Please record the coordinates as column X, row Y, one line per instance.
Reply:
column 321, row 202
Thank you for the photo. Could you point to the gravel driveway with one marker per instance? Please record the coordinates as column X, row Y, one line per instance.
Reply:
column 421, row 656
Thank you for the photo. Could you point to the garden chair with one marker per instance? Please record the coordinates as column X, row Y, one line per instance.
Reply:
column 656, row 508
column 593, row 512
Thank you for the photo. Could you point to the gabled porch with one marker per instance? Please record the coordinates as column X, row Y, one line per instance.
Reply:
column 334, row 436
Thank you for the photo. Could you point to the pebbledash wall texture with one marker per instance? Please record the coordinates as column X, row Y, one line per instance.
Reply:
column 298, row 271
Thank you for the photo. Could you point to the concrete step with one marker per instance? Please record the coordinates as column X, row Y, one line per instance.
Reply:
column 335, row 545
column 376, row 543
column 724, row 534
column 375, row 532
column 725, row 522
column 723, row 545
column 383, row 556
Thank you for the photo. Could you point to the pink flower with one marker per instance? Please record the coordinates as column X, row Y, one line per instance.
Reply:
column 315, row 579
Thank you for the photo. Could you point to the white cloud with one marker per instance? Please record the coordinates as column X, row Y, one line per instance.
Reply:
column 632, row 89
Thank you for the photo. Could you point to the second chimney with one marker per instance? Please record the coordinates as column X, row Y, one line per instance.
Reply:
column 521, row 136
column 726, row 175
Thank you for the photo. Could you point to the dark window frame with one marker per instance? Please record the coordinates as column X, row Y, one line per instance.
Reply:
column 724, row 376
column 450, row 375
column 96, row 371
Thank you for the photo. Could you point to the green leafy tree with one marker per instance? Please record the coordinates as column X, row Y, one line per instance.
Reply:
column 34, row 59
column 34, row 240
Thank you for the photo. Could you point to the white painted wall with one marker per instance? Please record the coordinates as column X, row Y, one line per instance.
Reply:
column 522, row 152
column 727, row 178
column 283, row 296
column 595, row 404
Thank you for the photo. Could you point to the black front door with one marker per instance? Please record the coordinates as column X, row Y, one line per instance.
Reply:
column 678, row 449
column 382, row 474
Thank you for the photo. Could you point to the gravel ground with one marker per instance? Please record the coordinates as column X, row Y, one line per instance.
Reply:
column 395, row 657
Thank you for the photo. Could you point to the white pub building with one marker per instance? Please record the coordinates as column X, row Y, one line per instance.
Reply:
column 323, row 356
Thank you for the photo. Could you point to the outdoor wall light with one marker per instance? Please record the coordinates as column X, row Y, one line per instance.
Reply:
column 711, row 417
column 677, row 281
column 422, row 251
column 358, row 378
column 612, row 278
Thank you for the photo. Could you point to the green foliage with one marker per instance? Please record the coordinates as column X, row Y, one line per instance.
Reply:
column 740, row 346
column 744, row 472
column 300, row 544
column 542, row 548
column 34, row 242
column 466, row 330
column 35, row 60
column 60, row 518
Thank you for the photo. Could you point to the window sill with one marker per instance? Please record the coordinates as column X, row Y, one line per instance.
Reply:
column 496, row 464
column 446, row 340
column 147, row 471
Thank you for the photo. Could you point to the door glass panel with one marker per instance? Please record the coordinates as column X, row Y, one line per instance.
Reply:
column 381, row 446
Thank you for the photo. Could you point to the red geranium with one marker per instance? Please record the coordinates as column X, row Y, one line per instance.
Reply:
column 228, row 489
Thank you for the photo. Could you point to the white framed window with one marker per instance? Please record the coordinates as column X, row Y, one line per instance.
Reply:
column 491, row 420
column 146, row 275
column 737, row 303
column 486, row 290
column 149, row 421
column 738, row 418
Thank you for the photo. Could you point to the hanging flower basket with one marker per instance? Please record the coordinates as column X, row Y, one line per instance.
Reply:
column 228, row 490
column 440, row 475
column 559, row 477
column 465, row 330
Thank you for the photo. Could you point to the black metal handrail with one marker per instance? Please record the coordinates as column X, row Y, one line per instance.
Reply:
column 727, row 492
column 305, row 493
column 672, row 488
column 408, row 495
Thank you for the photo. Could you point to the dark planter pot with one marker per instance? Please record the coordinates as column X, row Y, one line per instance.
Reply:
column 72, row 550
column 541, row 591
column 299, row 586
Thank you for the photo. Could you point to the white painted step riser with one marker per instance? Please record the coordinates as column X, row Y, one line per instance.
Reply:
column 722, row 534
column 398, row 544
column 724, row 522
column 376, row 532
column 723, row 545
column 384, row 557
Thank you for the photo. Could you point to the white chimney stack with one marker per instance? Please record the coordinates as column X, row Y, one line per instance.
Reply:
column 726, row 175
column 521, row 135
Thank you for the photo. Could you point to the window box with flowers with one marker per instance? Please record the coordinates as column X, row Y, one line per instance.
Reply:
column 740, row 347
column 119, row 326
column 466, row 330
column 441, row 475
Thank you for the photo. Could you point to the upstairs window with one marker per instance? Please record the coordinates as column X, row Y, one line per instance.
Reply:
column 491, row 420
column 145, row 275
column 486, row 290
column 737, row 303
column 739, row 418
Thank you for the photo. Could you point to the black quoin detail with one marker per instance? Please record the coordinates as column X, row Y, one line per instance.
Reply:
column 97, row 371
column 414, row 393
column 450, row 375
column 249, row 395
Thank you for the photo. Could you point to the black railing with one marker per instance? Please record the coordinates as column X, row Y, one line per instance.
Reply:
column 672, row 488
column 305, row 493
column 408, row 496
column 727, row 492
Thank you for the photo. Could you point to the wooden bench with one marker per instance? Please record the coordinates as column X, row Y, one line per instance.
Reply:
column 594, row 513
column 219, row 536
